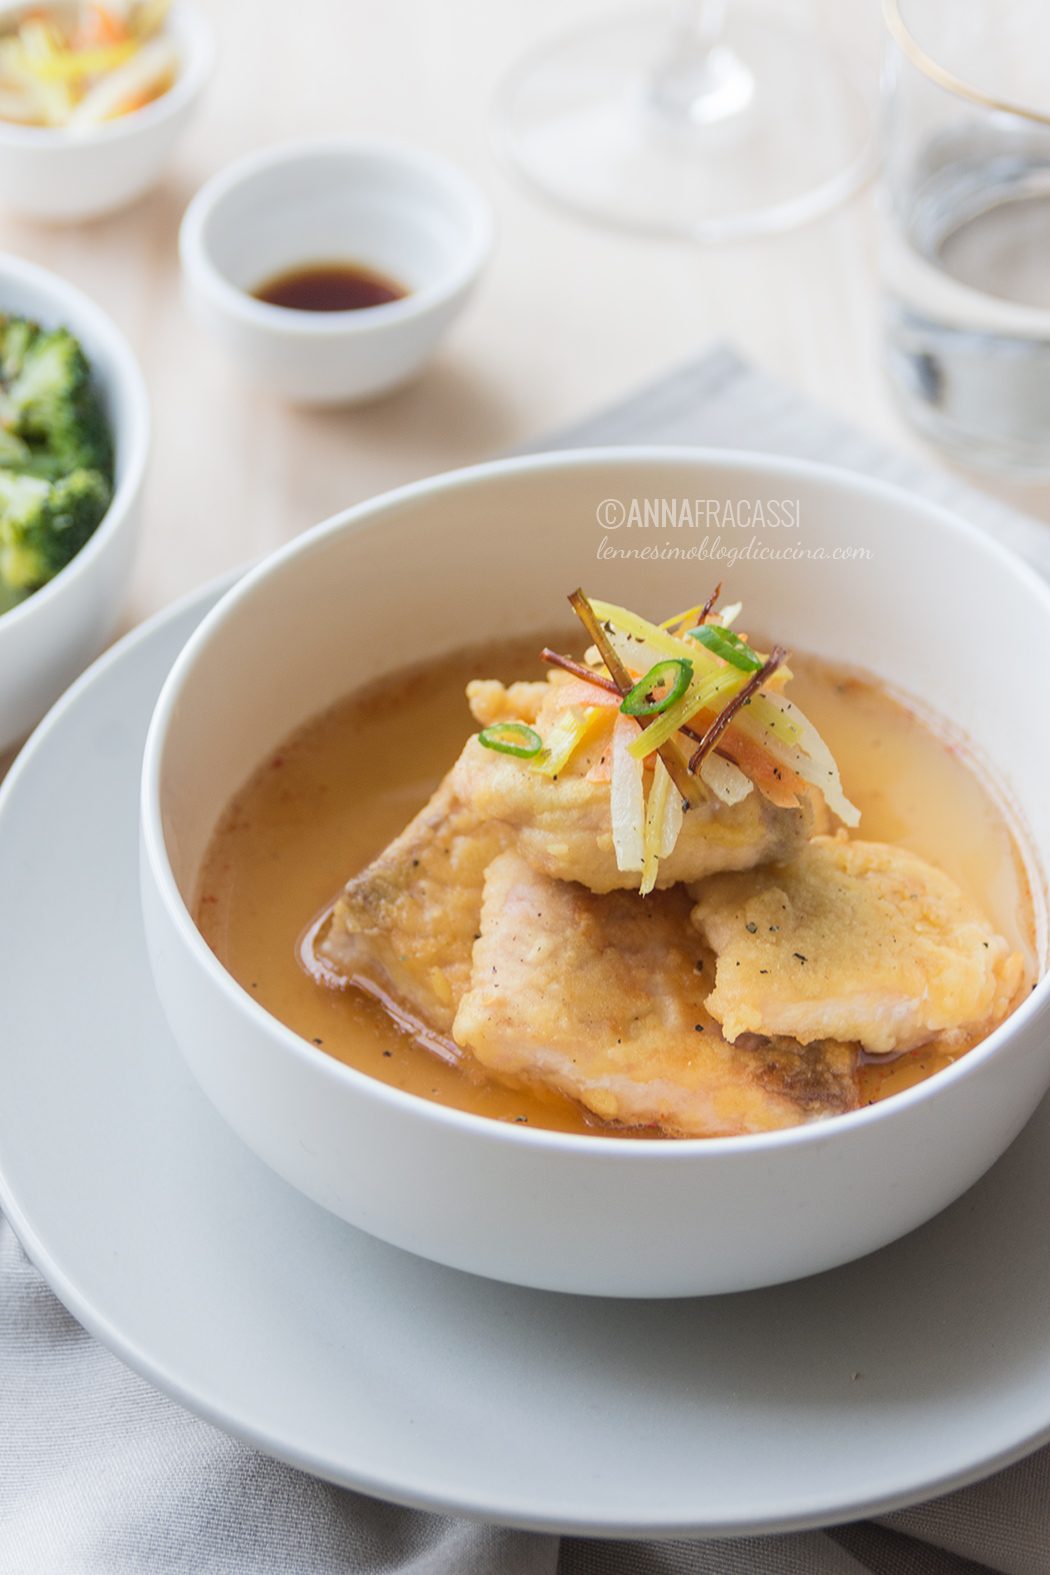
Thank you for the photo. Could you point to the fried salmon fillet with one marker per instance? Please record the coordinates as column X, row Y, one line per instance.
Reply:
column 852, row 940
column 404, row 927
column 602, row 998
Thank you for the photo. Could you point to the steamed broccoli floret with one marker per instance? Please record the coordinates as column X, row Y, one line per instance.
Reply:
column 56, row 456
column 44, row 523
column 51, row 403
column 16, row 335
column 15, row 453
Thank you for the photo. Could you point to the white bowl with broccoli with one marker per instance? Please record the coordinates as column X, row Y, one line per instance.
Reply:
column 74, row 433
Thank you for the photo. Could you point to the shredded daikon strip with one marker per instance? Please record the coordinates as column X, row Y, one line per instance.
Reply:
column 768, row 720
column 726, row 781
column 654, row 827
column 149, row 71
column 811, row 758
column 627, row 799
column 673, row 820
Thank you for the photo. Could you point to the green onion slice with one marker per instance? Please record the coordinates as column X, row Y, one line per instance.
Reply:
column 672, row 676
column 511, row 738
column 729, row 646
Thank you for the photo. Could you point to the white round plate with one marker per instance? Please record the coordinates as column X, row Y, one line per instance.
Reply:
column 895, row 1378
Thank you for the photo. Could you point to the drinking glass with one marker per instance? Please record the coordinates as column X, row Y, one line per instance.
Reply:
column 966, row 230
column 710, row 119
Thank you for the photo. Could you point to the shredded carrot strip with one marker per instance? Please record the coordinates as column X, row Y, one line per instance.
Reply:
column 108, row 26
column 575, row 692
column 776, row 782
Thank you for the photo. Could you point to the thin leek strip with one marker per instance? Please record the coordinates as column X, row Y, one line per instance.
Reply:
column 70, row 65
column 654, row 825
column 651, row 635
column 648, row 642
column 566, row 737
column 764, row 718
column 690, row 616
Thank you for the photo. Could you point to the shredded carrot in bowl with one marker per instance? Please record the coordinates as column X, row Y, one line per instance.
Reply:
column 77, row 66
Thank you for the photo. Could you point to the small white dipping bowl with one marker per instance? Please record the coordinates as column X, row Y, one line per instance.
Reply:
column 398, row 210
column 51, row 637
column 490, row 552
column 51, row 173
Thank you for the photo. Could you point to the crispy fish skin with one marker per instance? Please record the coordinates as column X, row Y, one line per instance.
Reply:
column 404, row 927
column 852, row 940
column 601, row 998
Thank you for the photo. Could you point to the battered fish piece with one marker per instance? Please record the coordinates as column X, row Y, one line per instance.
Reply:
column 490, row 701
column 403, row 929
column 852, row 940
column 602, row 998
column 563, row 825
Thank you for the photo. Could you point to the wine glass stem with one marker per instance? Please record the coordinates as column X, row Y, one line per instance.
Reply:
column 698, row 78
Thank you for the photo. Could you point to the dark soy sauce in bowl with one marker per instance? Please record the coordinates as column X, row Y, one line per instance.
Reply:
column 329, row 287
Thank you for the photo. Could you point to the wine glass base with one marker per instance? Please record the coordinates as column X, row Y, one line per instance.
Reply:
column 776, row 132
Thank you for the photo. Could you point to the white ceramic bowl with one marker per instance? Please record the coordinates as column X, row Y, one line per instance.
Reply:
column 399, row 210
column 491, row 551
column 50, row 173
column 51, row 637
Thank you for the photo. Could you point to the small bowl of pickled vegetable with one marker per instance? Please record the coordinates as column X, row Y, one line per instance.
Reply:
column 93, row 97
column 74, row 433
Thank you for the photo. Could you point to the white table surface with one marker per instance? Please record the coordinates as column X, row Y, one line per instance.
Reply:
column 568, row 317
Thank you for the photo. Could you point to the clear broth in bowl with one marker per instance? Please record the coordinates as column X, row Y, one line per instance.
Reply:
column 345, row 784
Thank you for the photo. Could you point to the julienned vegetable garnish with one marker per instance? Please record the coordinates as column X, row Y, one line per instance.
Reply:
column 77, row 65
column 661, row 687
column 624, row 680
column 740, row 699
column 580, row 670
column 511, row 738
column 702, row 720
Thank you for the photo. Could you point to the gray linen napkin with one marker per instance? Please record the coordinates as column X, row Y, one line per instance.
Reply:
column 102, row 1475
